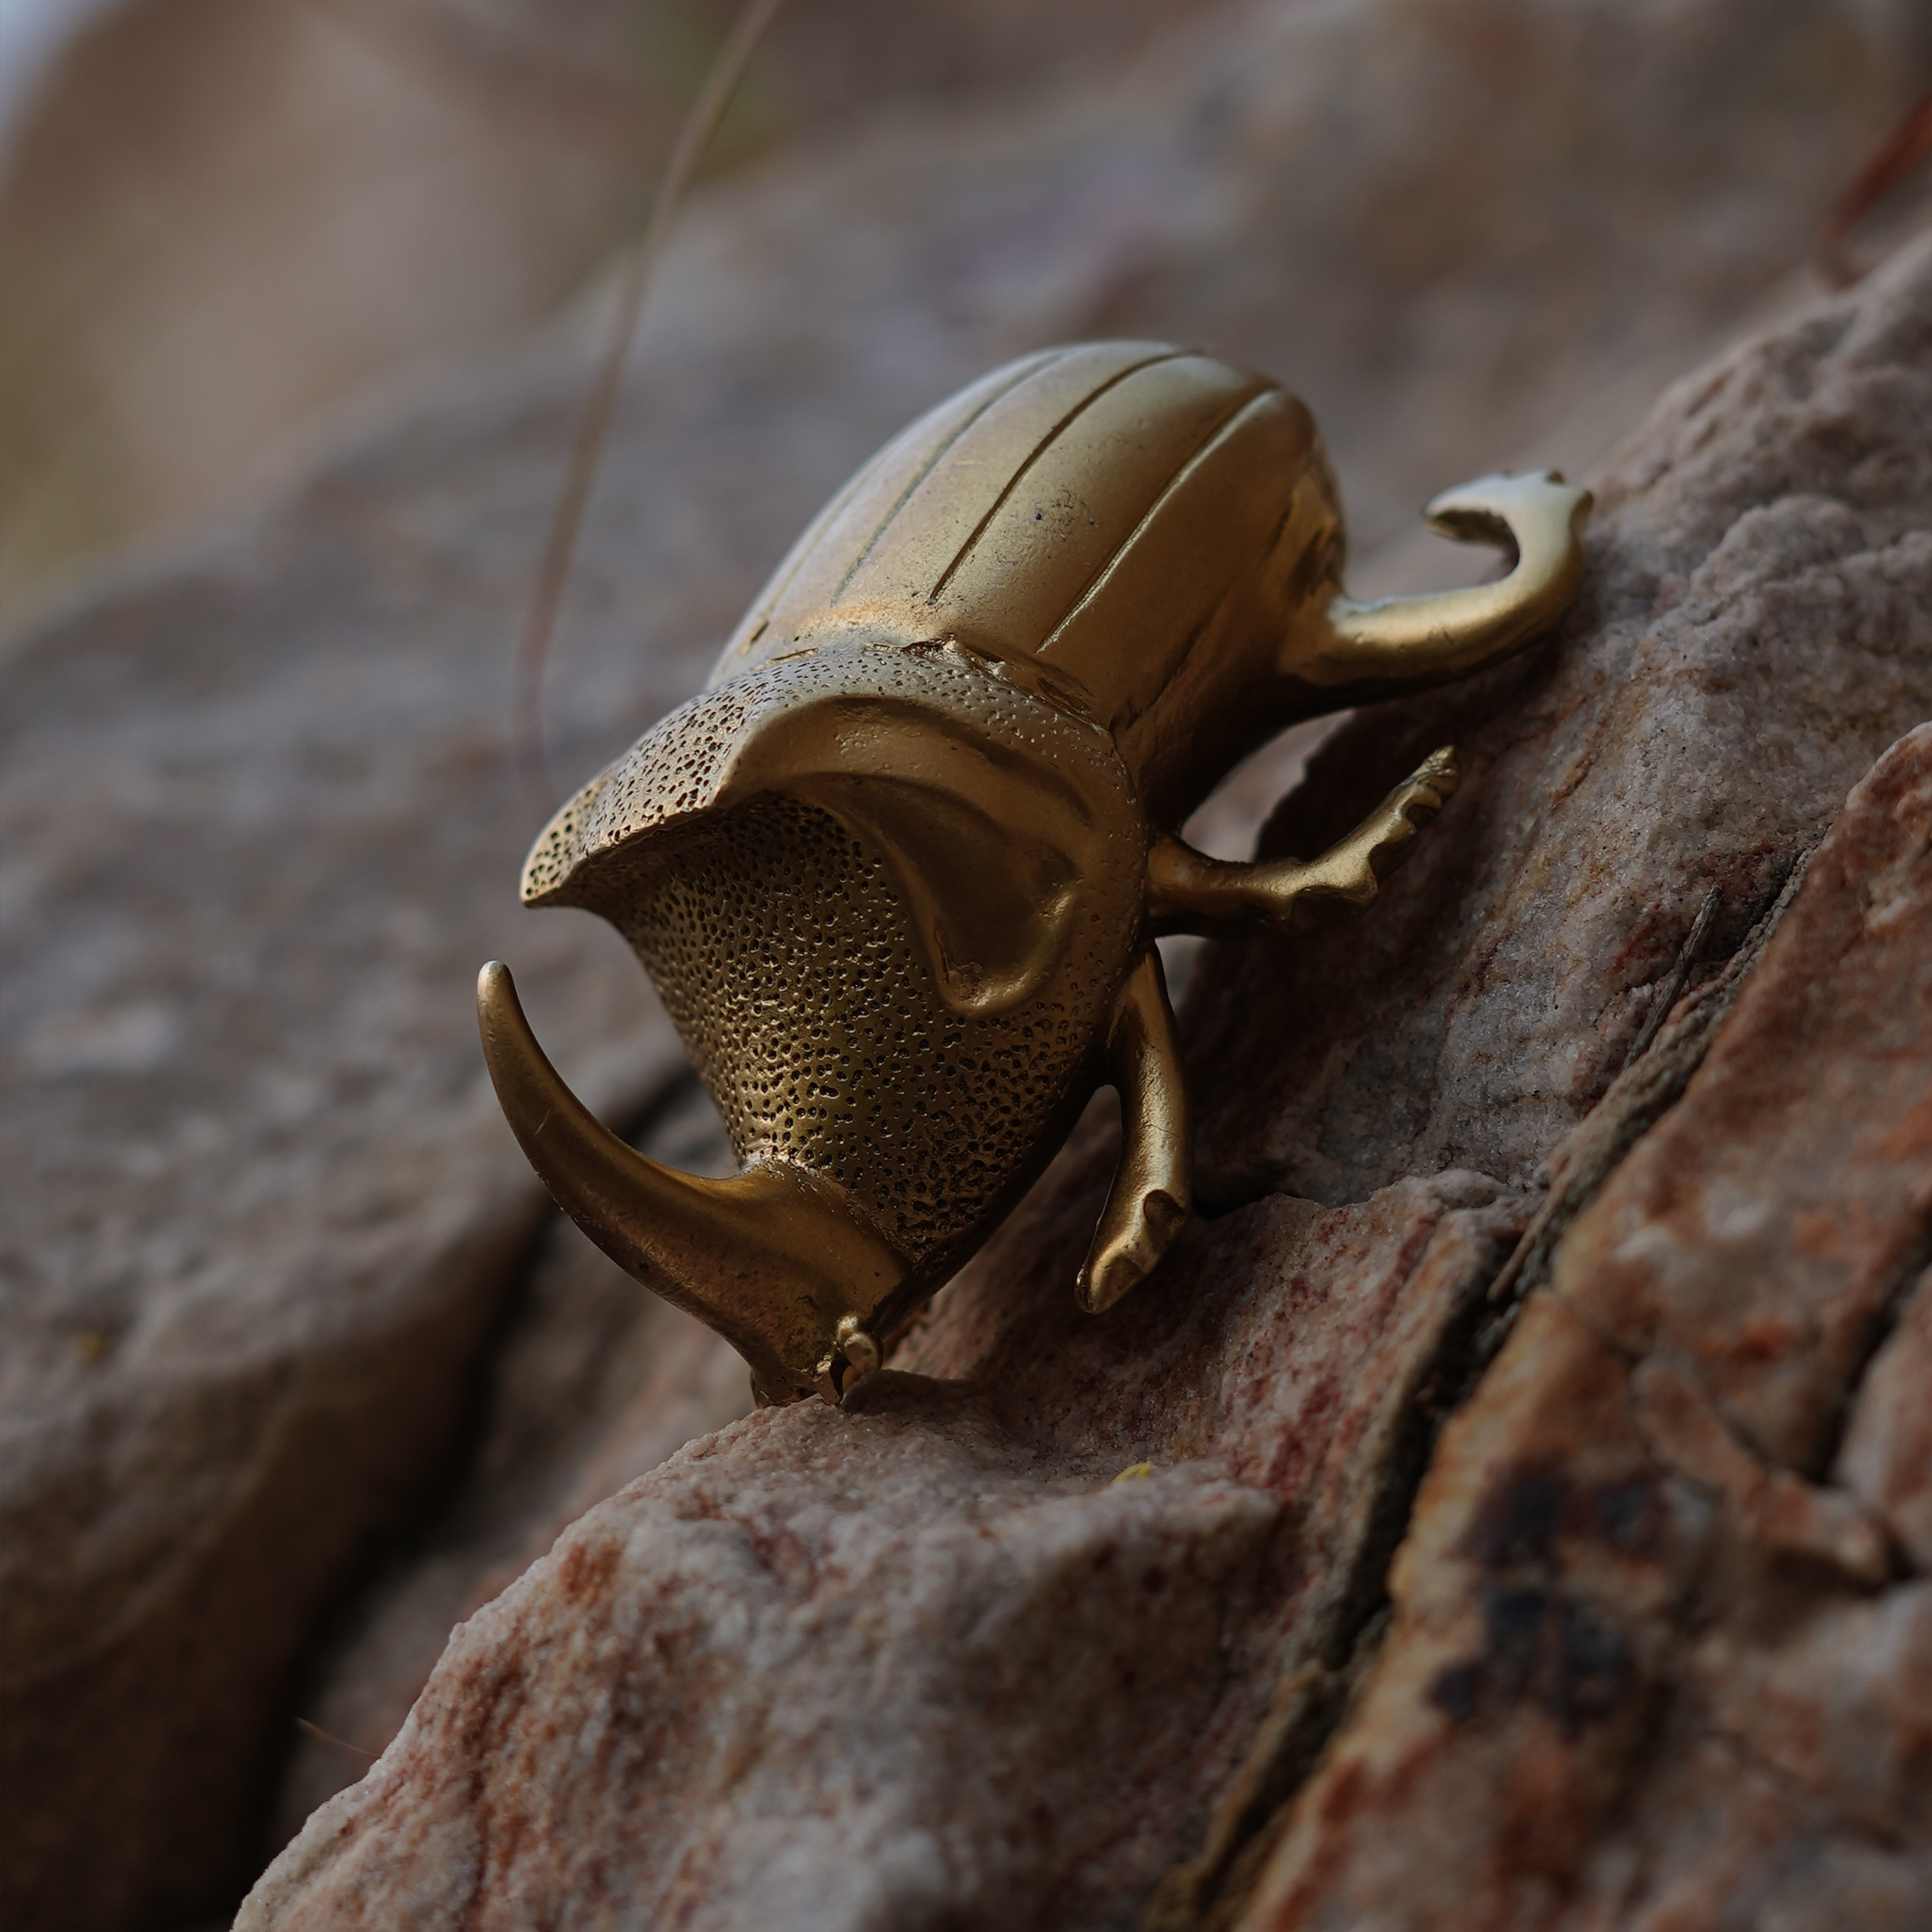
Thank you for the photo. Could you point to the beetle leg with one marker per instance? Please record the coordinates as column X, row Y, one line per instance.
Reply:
column 1190, row 892
column 1148, row 1202
column 1406, row 643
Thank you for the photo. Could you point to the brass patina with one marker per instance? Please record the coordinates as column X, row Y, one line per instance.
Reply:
column 897, row 872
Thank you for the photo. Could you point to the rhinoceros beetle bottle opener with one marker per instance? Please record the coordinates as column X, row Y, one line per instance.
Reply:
column 897, row 872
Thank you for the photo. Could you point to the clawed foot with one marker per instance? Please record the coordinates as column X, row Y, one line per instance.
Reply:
column 1147, row 1207
column 1389, row 829
column 1348, row 873
column 1190, row 892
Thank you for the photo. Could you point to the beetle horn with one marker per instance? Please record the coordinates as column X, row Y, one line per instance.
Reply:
column 1433, row 639
column 774, row 1259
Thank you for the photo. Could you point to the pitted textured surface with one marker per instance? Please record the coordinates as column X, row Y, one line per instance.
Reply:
column 888, row 898
column 783, row 955
column 670, row 772
column 1645, row 1666
column 853, row 696
column 259, row 834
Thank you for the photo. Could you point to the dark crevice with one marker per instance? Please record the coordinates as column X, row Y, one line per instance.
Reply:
column 1313, row 1704
column 1652, row 1081
column 409, row 1537
column 1915, row 1276
column 1219, row 1207
column 1447, row 1382
column 394, row 1544
column 1672, row 991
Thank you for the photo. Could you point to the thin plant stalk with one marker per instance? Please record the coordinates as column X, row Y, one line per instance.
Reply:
column 693, row 135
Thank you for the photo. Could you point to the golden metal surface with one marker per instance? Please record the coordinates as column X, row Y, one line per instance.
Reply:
column 898, row 871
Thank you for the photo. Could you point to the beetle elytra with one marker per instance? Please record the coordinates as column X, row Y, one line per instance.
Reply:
column 898, row 871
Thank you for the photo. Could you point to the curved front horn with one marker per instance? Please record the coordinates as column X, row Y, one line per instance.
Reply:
column 777, row 1261
column 1407, row 642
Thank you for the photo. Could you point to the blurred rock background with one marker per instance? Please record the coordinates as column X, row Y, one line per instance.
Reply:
column 298, row 1368
column 227, row 224
column 221, row 220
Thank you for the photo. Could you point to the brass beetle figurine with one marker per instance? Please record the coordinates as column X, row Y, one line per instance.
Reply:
column 898, row 870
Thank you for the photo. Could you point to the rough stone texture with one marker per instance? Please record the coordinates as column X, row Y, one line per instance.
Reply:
column 265, row 1235
column 263, row 1212
column 1887, row 1458
column 926, row 1660
column 1644, row 1666
column 593, row 1384
column 1624, row 1684
column 1681, row 738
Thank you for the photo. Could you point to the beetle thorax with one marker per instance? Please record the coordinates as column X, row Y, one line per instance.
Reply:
column 888, row 896
column 783, row 953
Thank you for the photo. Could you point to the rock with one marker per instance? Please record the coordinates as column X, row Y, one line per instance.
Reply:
column 1595, row 1610
column 265, row 1222
column 593, row 1384
column 873, row 1666
column 187, row 293
column 1887, row 1459
column 269, row 1238
column 264, row 1215
column 801, row 1670
column 987, row 233
column 1762, row 1232
column 1692, row 747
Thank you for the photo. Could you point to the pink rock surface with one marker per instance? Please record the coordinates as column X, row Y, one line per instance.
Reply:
column 1887, row 1457
column 1618, row 1566
column 593, row 1385
column 1752, row 635
column 930, row 1659
column 268, row 1246
column 1636, row 1662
